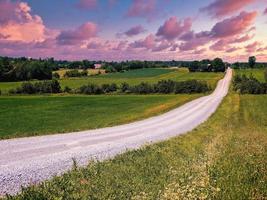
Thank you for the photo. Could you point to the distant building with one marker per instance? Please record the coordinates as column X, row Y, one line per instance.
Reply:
column 97, row 66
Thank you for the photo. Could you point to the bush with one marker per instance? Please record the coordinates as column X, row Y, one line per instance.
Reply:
column 142, row 88
column 165, row 86
column 90, row 89
column 107, row 88
column 249, row 85
column 265, row 74
column 125, row 87
column 191, row 86
column 37, row 88
column 75, row 73
column 56, row 75
column 67, row 89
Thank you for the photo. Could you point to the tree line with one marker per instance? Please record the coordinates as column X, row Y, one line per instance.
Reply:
column 252, row 63
column 161, row 87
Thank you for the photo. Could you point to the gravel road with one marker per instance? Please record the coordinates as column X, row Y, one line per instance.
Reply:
column 31, row 160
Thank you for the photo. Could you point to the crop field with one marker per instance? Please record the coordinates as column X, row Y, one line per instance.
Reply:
column 224, row 158
column 36, row 115
column 132, row 77
column 62, row 72
column 257, row 73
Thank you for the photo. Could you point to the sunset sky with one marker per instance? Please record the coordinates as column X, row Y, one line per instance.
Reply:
column 134, row 29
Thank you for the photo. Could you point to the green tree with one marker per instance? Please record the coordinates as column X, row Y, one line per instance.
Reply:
column 218, row 65
column 252, row 61
column 265, row 74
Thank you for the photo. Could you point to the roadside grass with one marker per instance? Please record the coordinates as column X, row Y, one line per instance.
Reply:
column 257, row 73
column 224, row 158
column 132, row 77
column 38, row 115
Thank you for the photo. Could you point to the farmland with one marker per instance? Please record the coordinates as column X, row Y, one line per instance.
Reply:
column 132, row 77
column 257, row 73
column 38, row 115
column 224, row 158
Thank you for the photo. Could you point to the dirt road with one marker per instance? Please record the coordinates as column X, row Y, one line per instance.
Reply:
column 27, row 161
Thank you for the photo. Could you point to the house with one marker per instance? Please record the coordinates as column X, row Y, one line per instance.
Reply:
column 97, row 66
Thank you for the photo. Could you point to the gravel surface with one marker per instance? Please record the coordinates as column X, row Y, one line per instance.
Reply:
column 26, row 161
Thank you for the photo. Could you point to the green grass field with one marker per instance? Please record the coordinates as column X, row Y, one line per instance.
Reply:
column 224, row 158
column 257, row 73
column 36, row 115
column 132, row 77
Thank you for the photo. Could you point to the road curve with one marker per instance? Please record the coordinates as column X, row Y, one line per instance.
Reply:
column 31, row 160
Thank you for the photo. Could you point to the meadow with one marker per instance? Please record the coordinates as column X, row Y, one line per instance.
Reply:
column 37, row 115
column 224, row 158
column 132, row 77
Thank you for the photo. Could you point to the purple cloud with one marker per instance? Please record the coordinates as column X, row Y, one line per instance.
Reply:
column 173, row 28
column 135, row 31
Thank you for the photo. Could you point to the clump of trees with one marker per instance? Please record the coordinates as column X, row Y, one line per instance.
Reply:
column 22, row 69
column 249, row 85
column 41, row 87
column 161, row 87
column 76, row 73
column 216, row 65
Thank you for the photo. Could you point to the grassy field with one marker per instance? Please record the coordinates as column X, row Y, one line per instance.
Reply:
column 36, row 115
column 257, row 73
column 132, row 77
column 224, row 158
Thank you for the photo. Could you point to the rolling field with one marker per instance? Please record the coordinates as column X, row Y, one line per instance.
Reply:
column 132, row 77
column 37, row 115
column 224, row 158
column 257, row 73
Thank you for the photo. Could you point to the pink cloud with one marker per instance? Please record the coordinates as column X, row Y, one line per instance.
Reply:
column 242, row 39
column 265, row 12
column 148, row 43
column 142, row 8
column 220, row 8
column 234, row 25
column 163, row 45
column 18, row 24
column 77, row 36
column 252, row 47
column 232, row 49
column 173, row 28
column 219, row 45
column 135, row 31
column 87, row 4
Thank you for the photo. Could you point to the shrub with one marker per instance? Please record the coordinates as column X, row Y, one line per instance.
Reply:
column 191, row 86
column 90, row 89
column 56, row 75
column 165, row 86
column 125, row 87
column 38, row 87
column 107, row 88
column 75, row 73
column 265, row 74
column 67, row 89
column 142, row 88
column 249, row 85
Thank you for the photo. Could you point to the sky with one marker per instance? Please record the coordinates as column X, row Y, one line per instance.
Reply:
column 115, row 30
